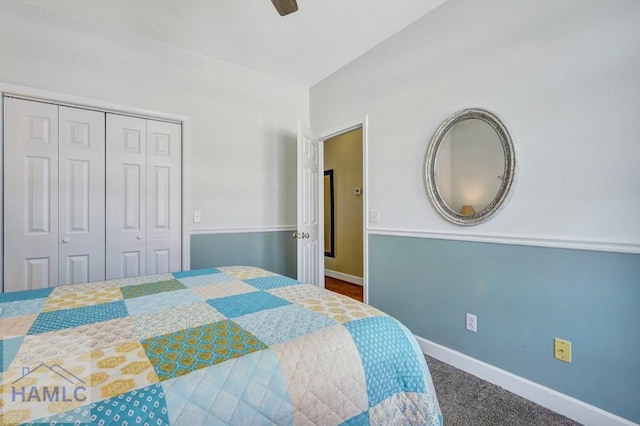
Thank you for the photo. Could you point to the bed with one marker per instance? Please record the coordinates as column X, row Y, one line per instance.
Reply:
column 230, row 345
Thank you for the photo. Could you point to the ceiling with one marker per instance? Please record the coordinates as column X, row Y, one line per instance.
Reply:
column 304, row 47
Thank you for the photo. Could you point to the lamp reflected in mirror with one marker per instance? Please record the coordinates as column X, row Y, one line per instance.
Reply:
column 469, row 159
column 467, row 210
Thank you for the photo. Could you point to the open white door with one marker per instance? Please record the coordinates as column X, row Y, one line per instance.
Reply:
column 310, row 230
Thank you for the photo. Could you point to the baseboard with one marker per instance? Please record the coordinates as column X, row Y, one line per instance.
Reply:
column 344, row 277
column 560, row 403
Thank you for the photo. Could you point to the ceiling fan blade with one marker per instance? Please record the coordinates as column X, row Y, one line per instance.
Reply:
column 285, row 7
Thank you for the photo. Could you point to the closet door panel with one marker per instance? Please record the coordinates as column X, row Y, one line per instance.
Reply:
column 82, row 196
column 30, row 195
column 126, row 197
column 164, row 197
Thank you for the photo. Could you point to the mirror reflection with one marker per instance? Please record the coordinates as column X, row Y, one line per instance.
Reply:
column 469, row 166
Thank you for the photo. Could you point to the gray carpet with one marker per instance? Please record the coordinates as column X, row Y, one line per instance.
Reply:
column 467, row 400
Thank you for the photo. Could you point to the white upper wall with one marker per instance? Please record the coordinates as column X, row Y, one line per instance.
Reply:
column 563, row 74
column 251, row 34
column 243, row 123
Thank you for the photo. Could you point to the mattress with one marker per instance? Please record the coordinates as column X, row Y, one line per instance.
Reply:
column 230, row 345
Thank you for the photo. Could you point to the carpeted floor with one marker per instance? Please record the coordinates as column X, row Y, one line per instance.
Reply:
column 467, row 400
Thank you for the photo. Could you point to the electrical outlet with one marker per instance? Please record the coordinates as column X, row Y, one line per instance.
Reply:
column 562, row 350
column 472, row 323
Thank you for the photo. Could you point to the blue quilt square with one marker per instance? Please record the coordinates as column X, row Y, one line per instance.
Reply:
column 250, row 390
column 8, row 350
column 144, row 406
column 22, row 307
column 268, row 283
column 279, row 325
column 361, row 419
column 247, row 303
column 158, row 302
column 195, row 272
column 388, row 358
column 141, row 406
column 200, row 280
column 69, row 318
column 25, row 295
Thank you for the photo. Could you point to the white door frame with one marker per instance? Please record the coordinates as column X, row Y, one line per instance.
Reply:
column 7, row 89
column 347, row 127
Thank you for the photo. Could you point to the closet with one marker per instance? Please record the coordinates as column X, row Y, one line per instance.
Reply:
column 143, row 197
column 88, row 195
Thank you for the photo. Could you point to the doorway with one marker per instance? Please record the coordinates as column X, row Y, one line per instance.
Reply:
column 344, row 207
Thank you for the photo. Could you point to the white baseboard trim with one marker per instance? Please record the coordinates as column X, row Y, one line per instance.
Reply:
column 560, row 403
column 344, row 277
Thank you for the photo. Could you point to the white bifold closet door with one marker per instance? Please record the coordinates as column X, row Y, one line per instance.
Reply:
column 54, row 182
column 80, row 198
column 143, row 197
column 88, row 196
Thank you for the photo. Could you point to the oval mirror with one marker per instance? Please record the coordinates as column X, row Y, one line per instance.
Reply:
column 470, row 166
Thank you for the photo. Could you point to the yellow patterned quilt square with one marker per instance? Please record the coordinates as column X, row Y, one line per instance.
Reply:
column 340, row 308
column 83, row 296
column 32, row 391
column 119, row 369
column 70, row 341
column 299, row 293
column 245, row 272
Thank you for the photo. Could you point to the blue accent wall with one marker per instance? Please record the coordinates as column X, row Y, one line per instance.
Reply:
column 523, row 297
column 275, row 251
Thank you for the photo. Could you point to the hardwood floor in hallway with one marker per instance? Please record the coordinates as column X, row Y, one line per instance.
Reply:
column 351, row 290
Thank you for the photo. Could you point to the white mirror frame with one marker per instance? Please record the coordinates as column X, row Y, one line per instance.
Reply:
column 508, row 176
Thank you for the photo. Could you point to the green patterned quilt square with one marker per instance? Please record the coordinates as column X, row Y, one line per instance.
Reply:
column 139, row 290
column 184, row 351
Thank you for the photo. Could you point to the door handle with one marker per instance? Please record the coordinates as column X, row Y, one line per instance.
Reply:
column 65, row 240
column 139, row 237
column 300, row 235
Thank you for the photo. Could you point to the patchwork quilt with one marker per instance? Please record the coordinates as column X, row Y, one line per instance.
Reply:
column 232, row 345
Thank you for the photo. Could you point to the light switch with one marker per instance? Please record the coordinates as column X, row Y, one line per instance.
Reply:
column 197, row 216
column 374, row 216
